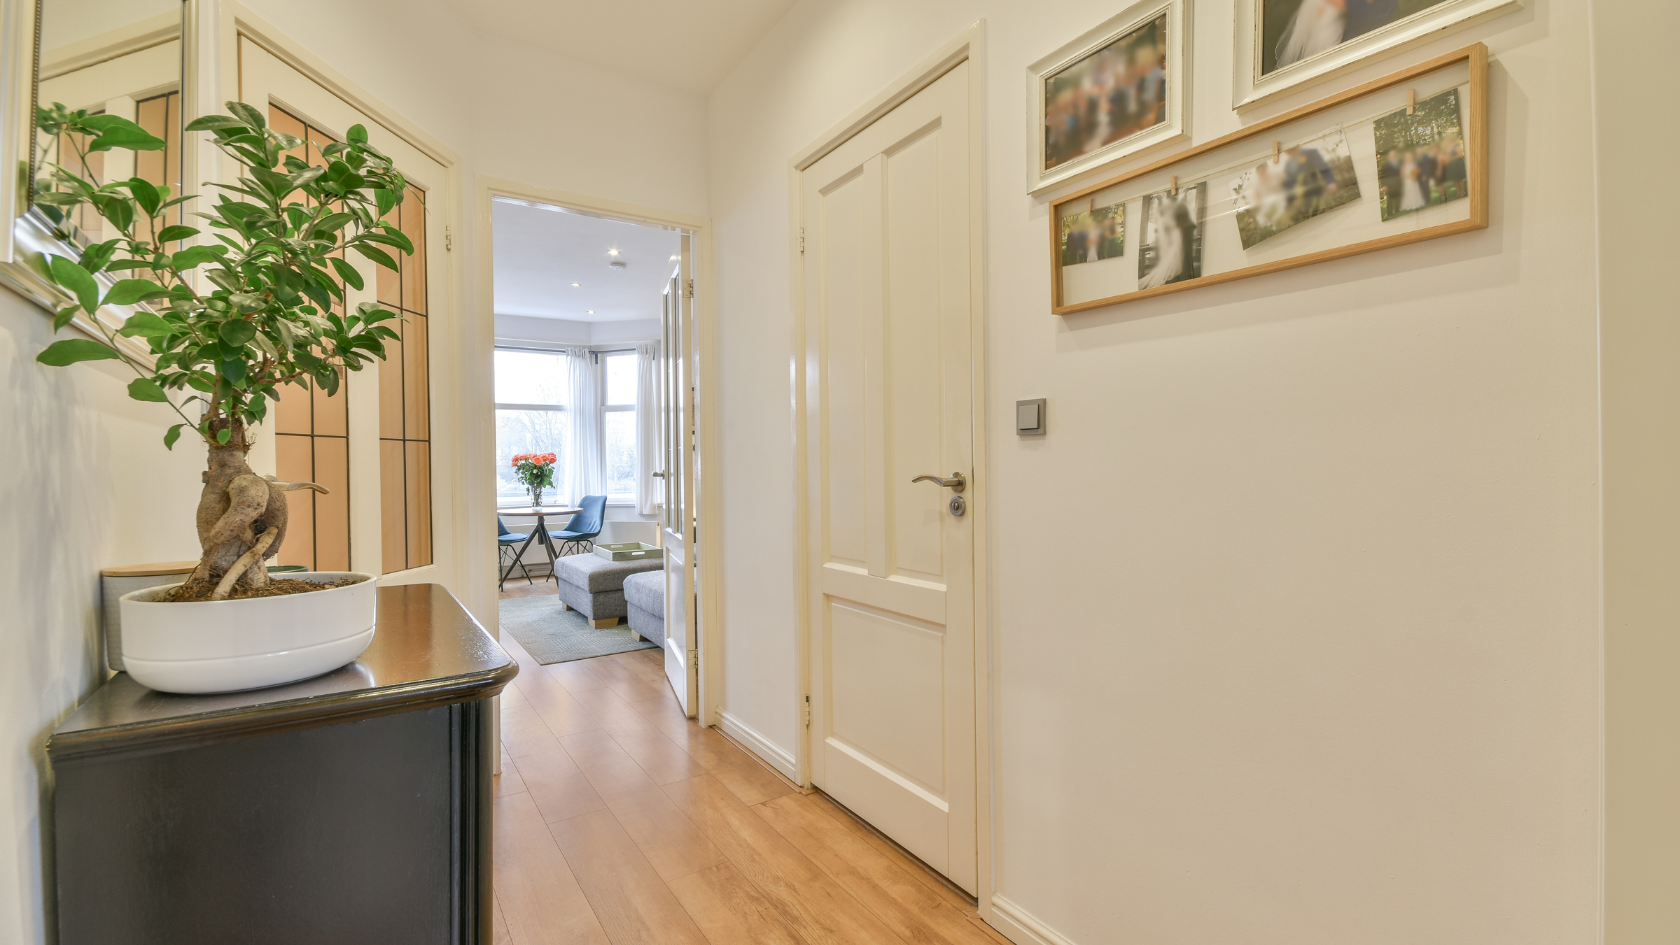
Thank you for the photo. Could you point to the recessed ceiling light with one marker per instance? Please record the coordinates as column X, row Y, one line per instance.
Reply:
column 574, row 285
column 612, row 252
column 590, row 312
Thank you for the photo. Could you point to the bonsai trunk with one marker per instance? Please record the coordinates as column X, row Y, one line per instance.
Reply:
column 241, row 520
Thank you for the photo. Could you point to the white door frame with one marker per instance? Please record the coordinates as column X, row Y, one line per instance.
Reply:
column 700, row 229
column 968, row 46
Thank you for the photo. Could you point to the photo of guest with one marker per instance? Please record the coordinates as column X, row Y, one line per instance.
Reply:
column 1421, row 160
column 1096, row 234
column 1108, row 96
column 1299, row 184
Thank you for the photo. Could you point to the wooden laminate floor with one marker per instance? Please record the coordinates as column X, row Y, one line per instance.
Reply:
column 618, row 820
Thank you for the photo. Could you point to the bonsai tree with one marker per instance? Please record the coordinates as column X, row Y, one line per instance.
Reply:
column 228, row 323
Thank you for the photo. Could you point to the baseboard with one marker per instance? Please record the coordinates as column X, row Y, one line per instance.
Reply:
column 771, row 754
column 1019, row 926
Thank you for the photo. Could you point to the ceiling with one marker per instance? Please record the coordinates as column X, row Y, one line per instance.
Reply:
column 541, row 251
column 676, row 43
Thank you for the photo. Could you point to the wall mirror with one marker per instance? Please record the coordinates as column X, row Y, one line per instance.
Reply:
column 115, row 57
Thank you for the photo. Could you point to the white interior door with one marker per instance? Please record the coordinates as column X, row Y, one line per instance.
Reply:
column 887, row 220
column 677, row 351
column 401, row 438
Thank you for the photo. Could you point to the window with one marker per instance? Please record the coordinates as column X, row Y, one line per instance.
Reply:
column 405, row 413
column 618, row 425
column 531, row 395
column 312, row 437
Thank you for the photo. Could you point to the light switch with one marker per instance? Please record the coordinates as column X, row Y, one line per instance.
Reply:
column 1029, row 417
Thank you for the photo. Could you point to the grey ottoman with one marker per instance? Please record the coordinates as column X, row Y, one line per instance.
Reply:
column 644, row 594
column 594, row 586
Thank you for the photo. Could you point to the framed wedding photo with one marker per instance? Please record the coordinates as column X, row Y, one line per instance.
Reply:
column 1120, row 88
column 1285, row 44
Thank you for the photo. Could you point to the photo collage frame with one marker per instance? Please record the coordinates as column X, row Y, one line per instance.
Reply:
column 1394, row 161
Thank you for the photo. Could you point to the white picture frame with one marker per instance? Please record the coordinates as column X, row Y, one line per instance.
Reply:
column 1250, row 88
column 1176, row 97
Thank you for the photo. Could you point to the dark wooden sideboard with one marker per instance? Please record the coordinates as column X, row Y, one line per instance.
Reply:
column 349, row 808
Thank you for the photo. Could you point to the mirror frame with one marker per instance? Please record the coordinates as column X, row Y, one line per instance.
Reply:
column 25, row 237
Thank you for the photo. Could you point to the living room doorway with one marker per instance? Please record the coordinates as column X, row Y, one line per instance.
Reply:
column 599, row 339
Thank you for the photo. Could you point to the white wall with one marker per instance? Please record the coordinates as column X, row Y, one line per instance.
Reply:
column 85, row 483
column 513, row 329
column 1335, row 677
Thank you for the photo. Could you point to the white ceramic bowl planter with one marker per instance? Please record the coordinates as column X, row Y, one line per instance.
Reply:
column 230, row 645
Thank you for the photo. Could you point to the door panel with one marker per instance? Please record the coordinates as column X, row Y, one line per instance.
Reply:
column 887, row 281
column 678, row 353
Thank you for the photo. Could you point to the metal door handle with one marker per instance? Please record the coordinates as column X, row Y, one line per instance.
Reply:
column 657, row 475
column 956, row 483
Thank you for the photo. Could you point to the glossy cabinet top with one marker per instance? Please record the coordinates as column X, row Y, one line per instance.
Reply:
column 427, row 651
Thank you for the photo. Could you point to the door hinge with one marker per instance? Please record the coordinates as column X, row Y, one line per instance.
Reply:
column 807, row 711
column 689, row 289
column 448, row 239
column 801, row 241
column 693, row 659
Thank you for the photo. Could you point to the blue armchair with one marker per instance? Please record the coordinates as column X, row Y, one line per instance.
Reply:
column 579, row 533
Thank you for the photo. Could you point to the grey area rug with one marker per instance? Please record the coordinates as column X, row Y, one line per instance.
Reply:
column 552, row 635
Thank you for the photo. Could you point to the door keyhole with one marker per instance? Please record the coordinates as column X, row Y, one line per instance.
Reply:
column 958, row 506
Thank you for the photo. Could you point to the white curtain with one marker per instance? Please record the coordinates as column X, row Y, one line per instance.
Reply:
column 583, row 452
column 650, row 491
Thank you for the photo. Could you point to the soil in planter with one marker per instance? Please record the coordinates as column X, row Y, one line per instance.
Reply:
column 201, row 592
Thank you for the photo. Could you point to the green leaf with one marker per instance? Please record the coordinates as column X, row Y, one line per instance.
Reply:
column 214, row 123
column 146, row 194
column 173, row 434
column 142, row 388
column 71, row 350
column 194, row 256
column 146, row 324
column 306, row 176
column 223, row 435
column 125, row 264
column 78, row 280
column 118, row 132
column 95, row 257
column 274, row 182
column 234, row 369
column 130, row 291
column 59, row 198
column 170, row 234
column 347, row 272
column 64, row 315
column 238, row 332
column 377, row 255
column 250, row 116
column 356, row 135
column 119, row 210
column 392, row 238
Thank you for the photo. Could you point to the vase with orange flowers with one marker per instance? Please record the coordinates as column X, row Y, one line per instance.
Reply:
column 536, row 471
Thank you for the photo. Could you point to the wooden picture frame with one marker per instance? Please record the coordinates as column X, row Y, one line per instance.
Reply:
column 1348, row 228
column 1046, row 170
column 1251, row 85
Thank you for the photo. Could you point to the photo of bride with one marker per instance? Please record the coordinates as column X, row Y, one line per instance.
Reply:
column 1171, row 248
column 1294, row 30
